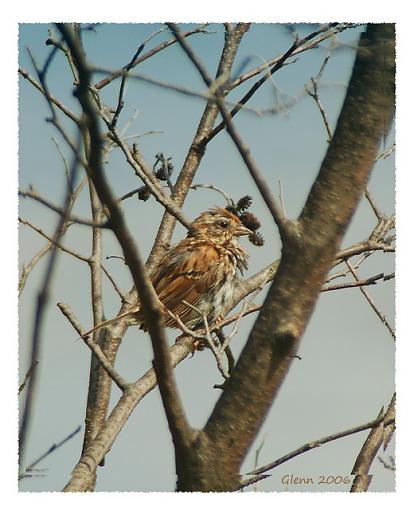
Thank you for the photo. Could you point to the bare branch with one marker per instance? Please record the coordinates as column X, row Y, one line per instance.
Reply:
column 372, row 280
column 49, row 96
column 94, row 347
column 55, row 243
column 97, row 449
column 286, row 227
column 373, row 204
column 177, row 421
column 27, row 472
column 27, row 268
column 42, row 301
column 311, row 41
column 310, row 446
column 315, row 95
column 120, row 103
column 273, row 66
column 135, row 60
column 371, row 302
column 379, row 435
column 70, row 219
column 142, row 170
column 228, row 199
column 116, row 288
column 196, row 150
column 33, row 366
column 386, row 153
column 390, row 466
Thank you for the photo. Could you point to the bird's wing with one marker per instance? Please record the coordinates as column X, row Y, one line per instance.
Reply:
column 185, row 275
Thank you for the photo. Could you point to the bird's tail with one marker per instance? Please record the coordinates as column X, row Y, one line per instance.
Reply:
column 108, row 322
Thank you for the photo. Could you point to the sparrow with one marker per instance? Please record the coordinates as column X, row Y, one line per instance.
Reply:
column 201, row 270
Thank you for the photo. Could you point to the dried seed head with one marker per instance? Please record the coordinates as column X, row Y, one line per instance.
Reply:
column 244, row 203
column 144, row 193
column 257, row 239
column 250, row 221
column 161, row 174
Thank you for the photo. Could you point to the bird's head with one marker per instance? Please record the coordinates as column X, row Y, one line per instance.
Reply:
column 219, row 225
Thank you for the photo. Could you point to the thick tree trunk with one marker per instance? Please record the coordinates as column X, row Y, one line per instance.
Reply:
column 214, row 458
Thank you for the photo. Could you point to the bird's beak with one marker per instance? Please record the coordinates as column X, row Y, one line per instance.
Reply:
column 243, row 231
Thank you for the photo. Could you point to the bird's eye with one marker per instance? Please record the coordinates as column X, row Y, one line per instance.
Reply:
column 223, row 224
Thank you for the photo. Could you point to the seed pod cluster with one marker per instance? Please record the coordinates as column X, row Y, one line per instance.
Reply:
column 247, row 218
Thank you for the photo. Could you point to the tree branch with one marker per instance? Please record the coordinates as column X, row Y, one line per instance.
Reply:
column 53, row 241
column 371, row 302
column 179, row 427
column 379, row 435
column 276, row 334
column 49, row 96
column 178, row 352
column 38, row 321
column 312, row 445
column 27, row 472
column 137, row 60
column 286, row 228
column 95, row 349
column 97, row 449
column 197, row 149
column 272, row 67
column 70, row 219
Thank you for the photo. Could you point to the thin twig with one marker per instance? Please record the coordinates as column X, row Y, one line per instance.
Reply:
column 273, row 66
column 63, row 158
column 373, row 204
column 70, row 219
column 208, row 96
column 33, row 366
column 94, row 347
column 42, row 301
column 372, row 280
column 312, row 445
column 371, row 302
column 228, row 199
column 202, row 338
column 281, row 199
column 286, row 227
column 256, row 462
column 363, row 247
column 53, row 241
column 120, row 102
column 117, row 289
column 378, row 436
column 244, row 311
column 27, row 268
column 135, row 60
column 386, row 153
column 390, row 466
column 49, row 96
column 53, row 448
column 177, row 421
column 315, row 95
column 141, row 169
column 305, row 44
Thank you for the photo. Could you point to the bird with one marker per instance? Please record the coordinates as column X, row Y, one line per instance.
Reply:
column 197, row 276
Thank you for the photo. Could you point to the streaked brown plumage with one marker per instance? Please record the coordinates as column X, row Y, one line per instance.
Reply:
column 201, row 270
